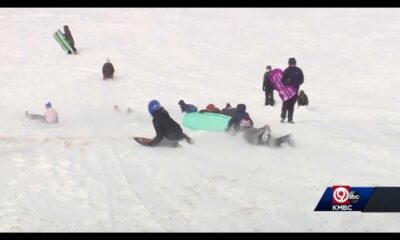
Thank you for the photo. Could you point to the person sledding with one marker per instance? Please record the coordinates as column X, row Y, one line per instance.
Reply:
column 240, row 120
column 50, row 115
column 186, row 107
column 168, row 131
column 228, row 110
column 263, row 136
column 211, row 109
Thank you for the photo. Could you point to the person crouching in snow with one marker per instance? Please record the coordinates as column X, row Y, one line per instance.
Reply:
column 50, row 115
column 168, row 131
column 302, row 100
column 187, row 108
column 108, row 70
column 240, row 120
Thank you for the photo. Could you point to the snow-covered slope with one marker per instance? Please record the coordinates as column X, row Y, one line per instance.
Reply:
column 86, row 174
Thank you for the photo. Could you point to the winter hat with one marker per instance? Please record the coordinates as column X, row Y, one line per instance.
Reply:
column 181, row 102
column 228, row 105
column 210, row 107
column 268, row 67
column 48, row 105
column 241, row 107
column 65, row 26
column 153, row 106
column 292, row 61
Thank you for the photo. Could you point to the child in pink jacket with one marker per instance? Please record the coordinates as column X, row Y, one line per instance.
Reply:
column 50, row 115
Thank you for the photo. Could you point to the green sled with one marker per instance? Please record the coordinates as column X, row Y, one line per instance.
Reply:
column 61, row 40
column 206, row 121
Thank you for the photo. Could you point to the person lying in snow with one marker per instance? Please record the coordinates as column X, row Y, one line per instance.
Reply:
column 211, row 109
column 228, row 110
column 187, row 108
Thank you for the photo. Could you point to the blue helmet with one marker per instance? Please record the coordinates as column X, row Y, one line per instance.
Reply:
column 153, row 106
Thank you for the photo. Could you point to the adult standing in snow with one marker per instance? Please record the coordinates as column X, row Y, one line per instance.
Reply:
column 68, row 37
column 168, row 131
column 50, row 115
column 268, row 88
column 292, row 76
column 108, row 70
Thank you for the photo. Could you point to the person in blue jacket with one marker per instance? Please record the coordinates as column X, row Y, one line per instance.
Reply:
column 187, row 108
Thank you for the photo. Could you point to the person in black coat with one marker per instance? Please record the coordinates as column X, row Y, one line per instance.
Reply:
column 302, row 100
column 268, row 88
column 68, row 37
column 108, row 70
column 292, row 76
column 168, row 131
column 228, row 110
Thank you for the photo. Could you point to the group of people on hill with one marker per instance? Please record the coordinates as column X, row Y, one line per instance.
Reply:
column 169, row 132
column 292, row 76
column 240, row 121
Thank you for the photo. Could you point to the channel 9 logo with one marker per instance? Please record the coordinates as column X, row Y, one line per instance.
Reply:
column 363, row 199
column 343, row 198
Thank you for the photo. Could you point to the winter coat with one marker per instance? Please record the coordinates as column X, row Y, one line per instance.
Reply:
column 68, row 37
column 51, row 115
column 302, row 99
column 108, row 70
column 293, row 76
column 166, row 127
column 267, row 85
column 228, row 111
column 241, row 119
column 188, row 108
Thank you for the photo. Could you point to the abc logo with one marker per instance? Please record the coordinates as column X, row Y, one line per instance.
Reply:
column 341, row 195
column 354, row 196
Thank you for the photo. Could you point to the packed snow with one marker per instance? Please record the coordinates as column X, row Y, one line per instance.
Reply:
column 87, row 174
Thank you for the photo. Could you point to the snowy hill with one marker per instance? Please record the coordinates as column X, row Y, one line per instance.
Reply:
column 86, row 174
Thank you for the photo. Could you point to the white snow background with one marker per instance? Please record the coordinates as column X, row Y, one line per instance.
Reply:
column 87, row 174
